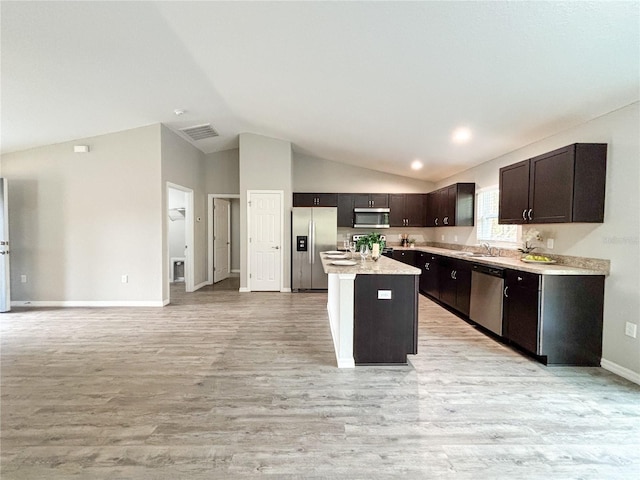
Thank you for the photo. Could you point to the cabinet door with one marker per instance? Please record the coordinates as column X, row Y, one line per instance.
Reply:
column 379, row 200
column 446, row 277
column 405, row 256
column 521, row 301
column 463, row 287
column 447, row 206
column 345, row 210
column 361, row 200
column 429, row 281
column 514, row 193
column 551, row 187
column 326, row 199
column 304, row 199
column 397, row 207
column 414, row 209
column 433, row 207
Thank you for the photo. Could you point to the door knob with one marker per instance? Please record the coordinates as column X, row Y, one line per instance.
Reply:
column 276, row 247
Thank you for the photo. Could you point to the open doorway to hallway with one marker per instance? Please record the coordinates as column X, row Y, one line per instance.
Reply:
column 223, row 239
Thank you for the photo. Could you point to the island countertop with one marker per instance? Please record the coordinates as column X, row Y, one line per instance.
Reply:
column 383, row 266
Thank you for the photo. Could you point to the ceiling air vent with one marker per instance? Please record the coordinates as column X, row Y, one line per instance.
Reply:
column 200, row 132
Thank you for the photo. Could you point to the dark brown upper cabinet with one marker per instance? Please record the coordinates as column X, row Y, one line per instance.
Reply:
column 562, row 186
column 315, row 199
column 370, row 200
column 345, row 210
column 407, row 210
column 452, row 206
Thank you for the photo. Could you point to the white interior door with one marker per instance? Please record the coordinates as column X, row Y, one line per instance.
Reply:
column 265, row 241
column 5, row 274
column 221, row 239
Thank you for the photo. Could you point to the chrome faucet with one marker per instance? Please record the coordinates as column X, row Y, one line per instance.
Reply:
column 491, row 251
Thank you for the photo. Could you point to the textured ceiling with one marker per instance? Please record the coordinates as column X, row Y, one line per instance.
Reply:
column 376, row 84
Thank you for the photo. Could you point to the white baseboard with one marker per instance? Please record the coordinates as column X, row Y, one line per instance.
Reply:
column 235, row 271
column 285, row 290
column 620, row 370
column 244, row 290
column 90, row 303
column 166, row 302
column 200, row 285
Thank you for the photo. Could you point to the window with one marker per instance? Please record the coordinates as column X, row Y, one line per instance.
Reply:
column 487, row 219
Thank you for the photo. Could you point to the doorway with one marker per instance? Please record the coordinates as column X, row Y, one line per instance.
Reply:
column 179, row 231
column 218, row 252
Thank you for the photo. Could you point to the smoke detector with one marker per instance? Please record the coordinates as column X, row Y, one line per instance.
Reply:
column 199, row 132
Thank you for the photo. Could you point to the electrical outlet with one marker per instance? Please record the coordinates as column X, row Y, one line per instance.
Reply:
column 23, row 279
column 631, row 330
column 550, row 243
column 442, row 237
column 455, row 238
column 125, row 278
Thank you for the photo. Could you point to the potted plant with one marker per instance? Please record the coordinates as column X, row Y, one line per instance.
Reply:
column 369, row 240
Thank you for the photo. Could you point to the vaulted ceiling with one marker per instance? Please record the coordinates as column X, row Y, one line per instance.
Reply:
column 375, row 84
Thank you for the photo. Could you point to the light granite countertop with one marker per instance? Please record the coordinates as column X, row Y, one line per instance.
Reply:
column 383, row 266
column 514, row 262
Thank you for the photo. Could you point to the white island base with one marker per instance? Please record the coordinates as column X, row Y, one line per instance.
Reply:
column 340, row 308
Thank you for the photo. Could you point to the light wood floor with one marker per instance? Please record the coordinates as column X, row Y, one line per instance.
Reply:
column 227, row 385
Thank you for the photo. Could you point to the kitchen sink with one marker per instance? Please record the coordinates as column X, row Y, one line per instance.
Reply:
column 474, row 254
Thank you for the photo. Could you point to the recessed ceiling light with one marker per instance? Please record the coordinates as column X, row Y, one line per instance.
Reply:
column 179, row 111
column 461, row 135
column 416, row 164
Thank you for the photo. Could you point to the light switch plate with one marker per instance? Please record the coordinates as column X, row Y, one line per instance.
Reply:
column 631, row 330
column 384, row 294
column 550, row 243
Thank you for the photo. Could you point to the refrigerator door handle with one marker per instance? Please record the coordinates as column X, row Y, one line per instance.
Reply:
column 313, row 242
column 310, row 242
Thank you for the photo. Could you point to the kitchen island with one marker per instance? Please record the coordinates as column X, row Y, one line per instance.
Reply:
column 373, row 311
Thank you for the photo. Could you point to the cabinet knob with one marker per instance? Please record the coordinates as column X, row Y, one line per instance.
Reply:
column 529, row 214
column 519, row 279
column 524, row 214
column 426, row 266
column 436, row 221
column 505, row 291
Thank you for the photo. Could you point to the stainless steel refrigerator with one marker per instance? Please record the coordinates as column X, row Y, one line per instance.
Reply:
column 313, row 230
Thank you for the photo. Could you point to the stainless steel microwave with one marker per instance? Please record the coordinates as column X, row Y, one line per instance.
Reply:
column 370, row 218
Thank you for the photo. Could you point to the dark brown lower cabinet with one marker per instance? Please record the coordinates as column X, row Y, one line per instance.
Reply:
column 557, row 318
column 385, row 329
column 405, row 256
column 429, row 279
column 454, row 278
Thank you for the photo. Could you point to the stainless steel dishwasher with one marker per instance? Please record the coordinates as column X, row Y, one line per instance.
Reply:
column 485, row 309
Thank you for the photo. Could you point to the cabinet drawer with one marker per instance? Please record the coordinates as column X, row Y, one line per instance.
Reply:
column 523, row 279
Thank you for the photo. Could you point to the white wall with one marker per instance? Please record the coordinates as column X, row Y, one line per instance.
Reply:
column 617, row 239
column 317, row 175
column 183, row 164
column 265, row 164
column 78, row 222
column 222, row 172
